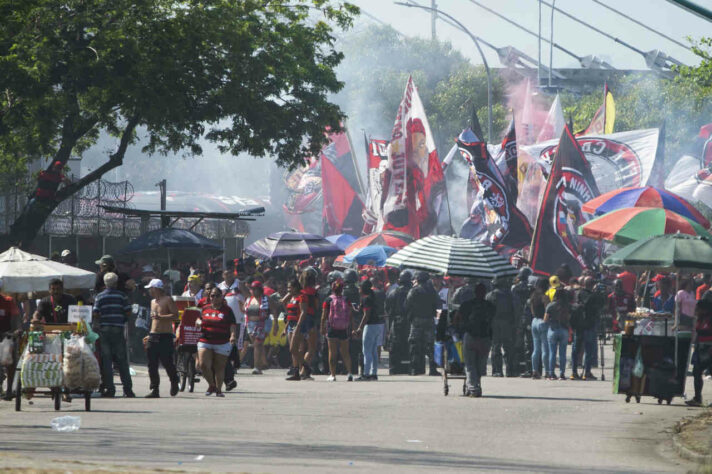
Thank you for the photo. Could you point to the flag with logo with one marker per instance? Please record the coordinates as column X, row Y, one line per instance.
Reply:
column 303, row 203
column 618, row 160
column 342, row 203
column 505, row 156
column 376, row 164
column 494, row 218
column 556, row 240
column 414, row 181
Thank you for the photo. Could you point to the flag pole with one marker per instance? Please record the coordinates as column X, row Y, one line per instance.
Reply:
column 362, row 194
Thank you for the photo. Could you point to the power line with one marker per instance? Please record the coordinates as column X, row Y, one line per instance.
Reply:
column 510, row 21
column 642, row 24
column 597, row 30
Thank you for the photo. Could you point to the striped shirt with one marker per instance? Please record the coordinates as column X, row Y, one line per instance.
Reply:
column 112, row 306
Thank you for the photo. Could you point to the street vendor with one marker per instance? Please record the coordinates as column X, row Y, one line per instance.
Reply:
column 10, row 330
column 620, row 303
column 54, row 308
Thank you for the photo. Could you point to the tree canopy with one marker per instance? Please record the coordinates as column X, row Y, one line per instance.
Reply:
column 252, row 75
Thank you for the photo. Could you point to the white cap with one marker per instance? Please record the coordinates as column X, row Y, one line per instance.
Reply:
column 66, row 252
column 155, row 283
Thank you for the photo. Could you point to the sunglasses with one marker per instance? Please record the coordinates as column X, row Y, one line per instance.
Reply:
column 216, row 296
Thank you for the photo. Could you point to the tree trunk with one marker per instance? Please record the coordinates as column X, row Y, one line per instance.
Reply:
column 36, row 212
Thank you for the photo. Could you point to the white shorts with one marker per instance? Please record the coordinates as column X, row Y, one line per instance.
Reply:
column 222, row 349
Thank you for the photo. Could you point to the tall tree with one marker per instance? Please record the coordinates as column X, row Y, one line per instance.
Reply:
column 252, row 75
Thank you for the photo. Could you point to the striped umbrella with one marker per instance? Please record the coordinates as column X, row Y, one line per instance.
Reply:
column 452, row 256
column 293, row 246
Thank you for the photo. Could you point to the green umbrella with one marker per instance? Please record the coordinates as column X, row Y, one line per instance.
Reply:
column 666, row 252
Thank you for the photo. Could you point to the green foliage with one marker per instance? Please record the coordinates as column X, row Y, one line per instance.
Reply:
column 251, row 74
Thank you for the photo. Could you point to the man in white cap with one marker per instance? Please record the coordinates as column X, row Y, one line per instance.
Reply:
column 160, row 340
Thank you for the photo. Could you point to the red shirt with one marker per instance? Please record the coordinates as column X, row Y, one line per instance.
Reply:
column 308, row 296
column 8, row 309
column 216, row 323
column 701, row 291
column 628, row 280
column 292, row 308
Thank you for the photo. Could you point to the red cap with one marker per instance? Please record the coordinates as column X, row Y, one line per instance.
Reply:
column 658, row 277
column 256, row 284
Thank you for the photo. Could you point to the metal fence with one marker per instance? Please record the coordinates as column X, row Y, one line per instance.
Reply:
column 82, row 214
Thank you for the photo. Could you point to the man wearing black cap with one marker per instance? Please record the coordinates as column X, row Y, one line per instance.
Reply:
column 503, row 327
column 108, row 265
column 421, row 305
column 398, row 324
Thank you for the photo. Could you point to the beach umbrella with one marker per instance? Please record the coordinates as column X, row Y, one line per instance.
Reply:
column 375, row 255
column 390, row 238
column 341, row 240
column 293, row 246
column 21, row 272
column 452, row 256
column 629, row 225
column 670, row 252
column 647, row 196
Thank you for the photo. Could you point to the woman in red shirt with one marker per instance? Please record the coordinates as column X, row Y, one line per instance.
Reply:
column 219, row 328
column 305, row 329
column 291, row 306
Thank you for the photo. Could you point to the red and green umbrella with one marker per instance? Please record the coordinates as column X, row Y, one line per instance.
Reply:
column 388, row 238
column 629, row 225
column 647, row 196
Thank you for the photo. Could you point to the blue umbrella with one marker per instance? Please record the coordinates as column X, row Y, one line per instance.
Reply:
column 372, row 255
column 170, row 243
column 341, row 240
column 293, row 246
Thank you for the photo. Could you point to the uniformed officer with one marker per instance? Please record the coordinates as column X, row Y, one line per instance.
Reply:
column 421, row 305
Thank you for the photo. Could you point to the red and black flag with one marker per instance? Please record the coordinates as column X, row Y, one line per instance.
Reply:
column 508, row 153
column 506, row 226
column 376, row 165
column 556, row 240
column 343, row 205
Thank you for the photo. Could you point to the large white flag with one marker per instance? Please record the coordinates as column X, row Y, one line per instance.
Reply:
column 618, row 160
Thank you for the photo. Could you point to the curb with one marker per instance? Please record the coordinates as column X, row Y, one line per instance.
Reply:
column 686, row 453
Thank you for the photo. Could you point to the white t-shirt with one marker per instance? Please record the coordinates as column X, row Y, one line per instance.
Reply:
column 233, row 300
column 197, row 296
column 223, row 286
column 443, row 296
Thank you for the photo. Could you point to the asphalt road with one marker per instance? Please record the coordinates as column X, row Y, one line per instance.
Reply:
column 396, row 424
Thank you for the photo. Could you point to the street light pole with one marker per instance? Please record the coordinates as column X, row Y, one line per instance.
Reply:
column 482, row 55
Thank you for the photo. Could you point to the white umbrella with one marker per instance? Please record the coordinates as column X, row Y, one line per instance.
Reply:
column 21, row 272
column 452, row 256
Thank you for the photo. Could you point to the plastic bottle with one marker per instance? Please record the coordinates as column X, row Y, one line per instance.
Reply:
column 66, row 424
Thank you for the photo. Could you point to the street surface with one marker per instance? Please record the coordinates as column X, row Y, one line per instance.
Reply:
column 396, row 424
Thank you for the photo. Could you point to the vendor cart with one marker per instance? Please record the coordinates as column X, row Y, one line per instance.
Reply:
column 661, row 377
column 39, row 369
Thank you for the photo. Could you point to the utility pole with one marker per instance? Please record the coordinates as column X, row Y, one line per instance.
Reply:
column 433, row 19
column 165, row 221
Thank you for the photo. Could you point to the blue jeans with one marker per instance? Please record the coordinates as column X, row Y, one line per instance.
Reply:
column 372, row 335
column 113, row 349
column 558, row 339
column 584, row 340
column 540, row 350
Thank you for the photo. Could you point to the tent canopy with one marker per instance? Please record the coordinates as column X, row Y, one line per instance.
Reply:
column 21, row 272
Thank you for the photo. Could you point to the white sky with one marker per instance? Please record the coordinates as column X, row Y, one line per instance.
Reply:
column 660, row 15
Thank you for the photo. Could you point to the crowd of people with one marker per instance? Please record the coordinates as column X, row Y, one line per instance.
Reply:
column 336, row 321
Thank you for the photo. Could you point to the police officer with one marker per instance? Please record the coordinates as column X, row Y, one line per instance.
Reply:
column 351, row 293
column 522, row 318
column 503, row 327
column 398, row 324
column 421, row 305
